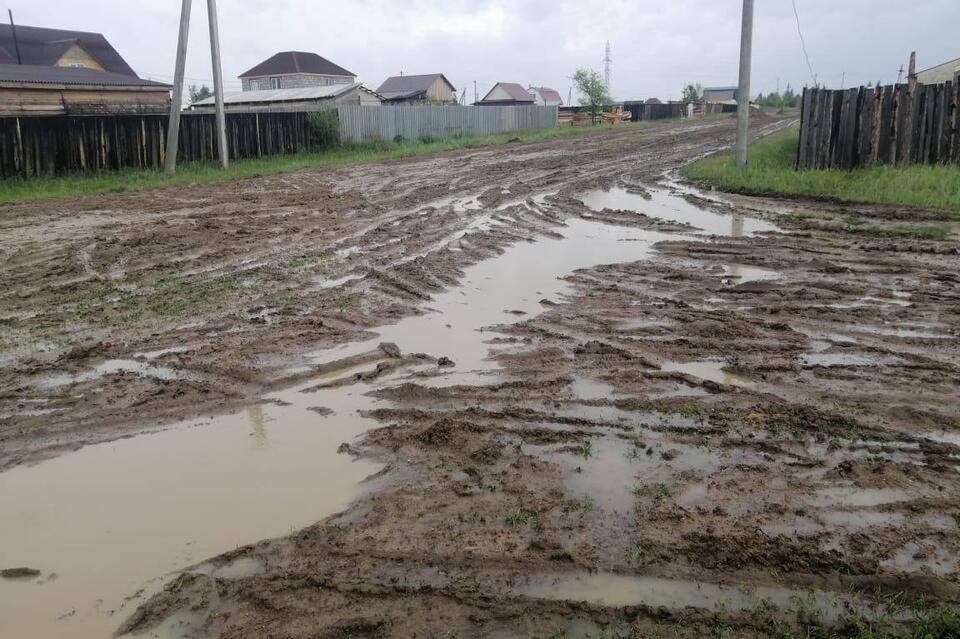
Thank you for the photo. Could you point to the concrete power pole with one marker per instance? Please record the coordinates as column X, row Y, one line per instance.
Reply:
column 217, row 81
column 173, row 126
column 743, row 95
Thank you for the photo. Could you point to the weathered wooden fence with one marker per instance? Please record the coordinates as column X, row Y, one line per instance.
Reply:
column 643, row 111
column 50, row 145
column 900, row 124
column 360, row 123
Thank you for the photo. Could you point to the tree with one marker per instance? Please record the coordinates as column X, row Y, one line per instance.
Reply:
column 692, row 93
column 199, row 94
column 593, row 92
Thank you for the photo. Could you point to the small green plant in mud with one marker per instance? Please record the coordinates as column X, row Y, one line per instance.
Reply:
column 587, row 504
column 519, row 517
column 585, row 449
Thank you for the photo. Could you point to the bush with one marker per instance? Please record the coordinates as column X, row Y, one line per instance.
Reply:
column 323, row 129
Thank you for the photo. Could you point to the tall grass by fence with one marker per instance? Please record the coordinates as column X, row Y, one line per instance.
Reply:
column 902, row 124
column 51, row 145
column 362, row 123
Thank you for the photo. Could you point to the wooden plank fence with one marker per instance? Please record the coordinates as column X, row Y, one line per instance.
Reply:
column 865, row 126
column 51, row 145
column 359, row 123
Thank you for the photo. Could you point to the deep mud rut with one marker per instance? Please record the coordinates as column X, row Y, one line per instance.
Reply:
column 730, row 415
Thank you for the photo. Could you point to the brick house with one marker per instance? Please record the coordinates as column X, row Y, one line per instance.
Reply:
column 295, row 70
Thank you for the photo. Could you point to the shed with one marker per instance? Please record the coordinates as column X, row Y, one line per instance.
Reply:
column 305, row 99
column 29, row 89
column 945, row 72
column 417, row 89
column 720, row 94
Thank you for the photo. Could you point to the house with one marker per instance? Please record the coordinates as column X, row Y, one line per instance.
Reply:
column 652, row 101
column 295, row 70
column 544, row 96
column 506, row 94
column 60, row 72
column 302, row 99
column 946, row 72
column 720, row 94
column 432, row 88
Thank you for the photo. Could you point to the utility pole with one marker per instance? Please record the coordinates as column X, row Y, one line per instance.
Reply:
column 569, row 96
column 743, row 95
column 912, row 72
column 217, row 81
column 900, row 75
column 476, row 98
column 16, row 42
column 173, row 126
column 843, row 79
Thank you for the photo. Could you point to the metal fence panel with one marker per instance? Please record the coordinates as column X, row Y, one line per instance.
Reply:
column 360, row 123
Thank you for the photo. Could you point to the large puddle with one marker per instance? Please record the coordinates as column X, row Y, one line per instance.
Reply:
column 106, row 525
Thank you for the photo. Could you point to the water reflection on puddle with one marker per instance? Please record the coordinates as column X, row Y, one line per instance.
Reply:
column 709, row 370
column 668, row 206
column 115, row 518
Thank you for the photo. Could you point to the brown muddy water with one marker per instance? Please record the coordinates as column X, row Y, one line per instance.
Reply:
column 107, row 525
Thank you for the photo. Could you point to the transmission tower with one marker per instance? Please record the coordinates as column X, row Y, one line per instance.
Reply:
column 606, row 67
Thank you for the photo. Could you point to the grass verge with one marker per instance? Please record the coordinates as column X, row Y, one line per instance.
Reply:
column 18, row 189
column 771, row 172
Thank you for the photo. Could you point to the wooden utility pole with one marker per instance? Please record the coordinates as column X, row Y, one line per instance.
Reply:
column 173, row 126
column 912, row 73
column 743, row 95
column 217, row 81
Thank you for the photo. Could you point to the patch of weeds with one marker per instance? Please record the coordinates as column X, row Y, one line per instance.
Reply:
column 588, row 504
column 803, row 420
column 928, row 231
column 585, row 449
column 519, row 517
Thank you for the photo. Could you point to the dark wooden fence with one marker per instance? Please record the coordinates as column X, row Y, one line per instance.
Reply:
column 642, row 111
column 902, row 124
column 51, row 145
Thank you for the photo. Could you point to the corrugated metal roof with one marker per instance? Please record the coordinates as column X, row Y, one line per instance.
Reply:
column 42, row 46
column 39, row 74
column 287, row 62
column 516, row 92
column 284, row 95
column 410, row 84
column 720, row 88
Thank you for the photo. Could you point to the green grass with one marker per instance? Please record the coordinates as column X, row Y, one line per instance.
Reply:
column 771, row 172
column 19, row 189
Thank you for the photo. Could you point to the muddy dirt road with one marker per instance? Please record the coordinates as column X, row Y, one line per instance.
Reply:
column 587, row 399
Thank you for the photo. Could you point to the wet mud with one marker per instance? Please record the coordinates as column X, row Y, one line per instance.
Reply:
column 586, row 398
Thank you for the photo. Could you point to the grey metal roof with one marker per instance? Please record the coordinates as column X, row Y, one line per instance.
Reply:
column 40, row 74
column 408, row 85
column 284, row 95
column 42, row 46
column 720, row 88
column 287, row 62
column 516, row 92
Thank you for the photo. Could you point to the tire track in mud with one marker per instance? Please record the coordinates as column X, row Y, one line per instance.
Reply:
column 235, row 272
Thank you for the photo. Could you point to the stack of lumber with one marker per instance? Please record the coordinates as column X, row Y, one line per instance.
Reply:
column 617, row 114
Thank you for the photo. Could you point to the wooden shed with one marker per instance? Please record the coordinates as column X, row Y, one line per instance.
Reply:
column 27, row 89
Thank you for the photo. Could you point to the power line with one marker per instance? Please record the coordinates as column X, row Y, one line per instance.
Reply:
column 803, row 42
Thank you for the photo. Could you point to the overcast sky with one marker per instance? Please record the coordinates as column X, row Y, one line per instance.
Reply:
column 655, row 46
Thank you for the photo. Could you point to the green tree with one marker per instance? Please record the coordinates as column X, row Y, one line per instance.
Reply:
column 201, row 93
column 593, row 92
column 692, row 93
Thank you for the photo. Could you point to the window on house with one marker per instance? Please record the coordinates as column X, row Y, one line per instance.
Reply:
column 275, row 83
